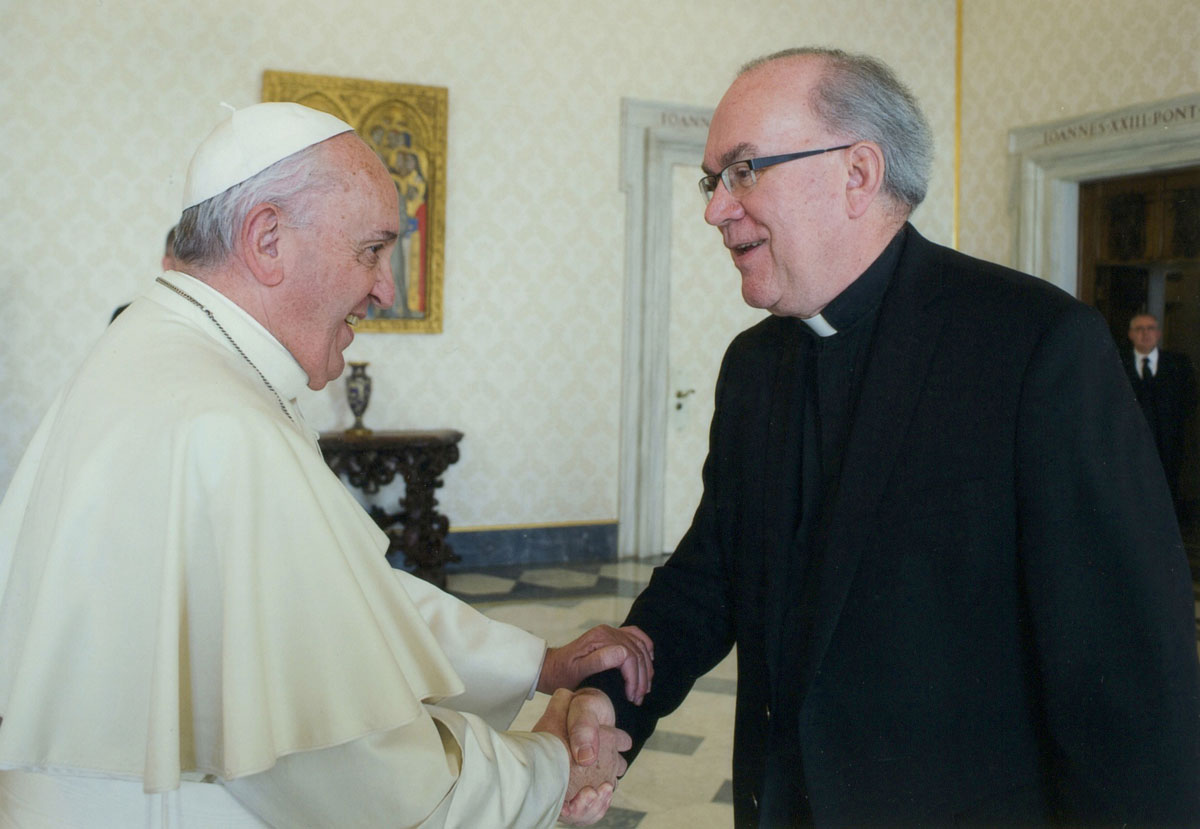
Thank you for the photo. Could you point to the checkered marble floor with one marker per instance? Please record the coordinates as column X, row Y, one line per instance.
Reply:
column 681, row 778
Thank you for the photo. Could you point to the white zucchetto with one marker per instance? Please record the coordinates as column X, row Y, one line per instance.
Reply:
column 251, row 140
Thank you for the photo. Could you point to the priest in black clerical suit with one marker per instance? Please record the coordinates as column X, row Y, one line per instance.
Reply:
column 1165, row 385
column 932, row 521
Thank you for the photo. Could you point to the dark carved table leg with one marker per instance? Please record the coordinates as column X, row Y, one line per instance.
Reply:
column 423, row 537
column 371, row 460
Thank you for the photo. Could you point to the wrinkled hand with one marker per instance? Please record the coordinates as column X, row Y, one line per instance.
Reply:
column 601, row 648
column 587, row 807
column 584, row 722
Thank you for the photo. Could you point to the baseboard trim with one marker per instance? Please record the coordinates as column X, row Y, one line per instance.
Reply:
column 545, row 544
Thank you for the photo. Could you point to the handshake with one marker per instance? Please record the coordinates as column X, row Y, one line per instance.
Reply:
column 584, row 720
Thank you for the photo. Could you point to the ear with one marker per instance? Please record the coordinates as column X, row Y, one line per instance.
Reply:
column 864, row 177
column 260, row 242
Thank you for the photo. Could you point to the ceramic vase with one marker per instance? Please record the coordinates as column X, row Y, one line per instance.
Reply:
column 358, row 394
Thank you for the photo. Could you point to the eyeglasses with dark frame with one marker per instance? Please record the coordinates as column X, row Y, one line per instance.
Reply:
column 741, row 176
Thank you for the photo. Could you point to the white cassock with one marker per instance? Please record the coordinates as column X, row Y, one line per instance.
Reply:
column 196, row 616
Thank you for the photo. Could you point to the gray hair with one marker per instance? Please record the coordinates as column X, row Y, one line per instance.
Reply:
column 206, row 232
column 860, row 97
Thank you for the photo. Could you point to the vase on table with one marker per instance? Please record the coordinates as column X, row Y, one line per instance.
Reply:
column 358, row 394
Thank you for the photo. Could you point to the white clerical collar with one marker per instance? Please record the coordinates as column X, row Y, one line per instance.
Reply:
column 261, row 348
column 819, row 326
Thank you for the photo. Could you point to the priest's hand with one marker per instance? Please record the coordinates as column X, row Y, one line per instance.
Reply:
column 584, row 722
column 601, row 648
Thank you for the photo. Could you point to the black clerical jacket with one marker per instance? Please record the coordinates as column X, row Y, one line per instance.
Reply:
column 1001, row 626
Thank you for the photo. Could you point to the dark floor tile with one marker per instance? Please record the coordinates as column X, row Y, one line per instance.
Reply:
column 725, row 793
column 716, row 685
column 618, row 818
column 673, row 743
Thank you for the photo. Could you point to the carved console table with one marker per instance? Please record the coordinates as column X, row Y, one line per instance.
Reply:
column 371, row 460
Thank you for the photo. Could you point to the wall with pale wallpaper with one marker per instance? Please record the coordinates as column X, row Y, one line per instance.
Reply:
column 1030, row 61
column 102, row 101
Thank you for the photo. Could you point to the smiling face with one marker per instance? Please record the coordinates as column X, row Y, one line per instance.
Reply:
column 340, row 261
column 786, row 235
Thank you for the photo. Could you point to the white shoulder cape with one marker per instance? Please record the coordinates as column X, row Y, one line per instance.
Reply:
column 184, row 585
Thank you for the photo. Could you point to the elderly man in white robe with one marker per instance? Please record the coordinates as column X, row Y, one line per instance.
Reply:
column 197, row 623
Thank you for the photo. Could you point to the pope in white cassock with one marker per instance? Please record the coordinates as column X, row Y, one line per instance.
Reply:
column 198, row 626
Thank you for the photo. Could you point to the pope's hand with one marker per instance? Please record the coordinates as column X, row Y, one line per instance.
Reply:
column 584, row 722
column 601, row 648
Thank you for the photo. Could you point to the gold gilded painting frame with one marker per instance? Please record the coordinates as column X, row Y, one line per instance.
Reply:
column 406, row 126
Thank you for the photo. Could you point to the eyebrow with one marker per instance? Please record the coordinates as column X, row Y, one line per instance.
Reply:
column 737, row 153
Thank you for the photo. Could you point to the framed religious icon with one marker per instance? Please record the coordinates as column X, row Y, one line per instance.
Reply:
column 406, row 126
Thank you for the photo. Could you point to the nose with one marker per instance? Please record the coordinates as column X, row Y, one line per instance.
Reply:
column 722, row 207
column 383, row 292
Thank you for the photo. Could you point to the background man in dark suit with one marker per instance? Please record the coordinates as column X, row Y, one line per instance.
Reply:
column 1166, row 389
column 932, row 521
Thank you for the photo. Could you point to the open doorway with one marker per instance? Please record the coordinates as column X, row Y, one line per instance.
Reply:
column 1139, row 252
